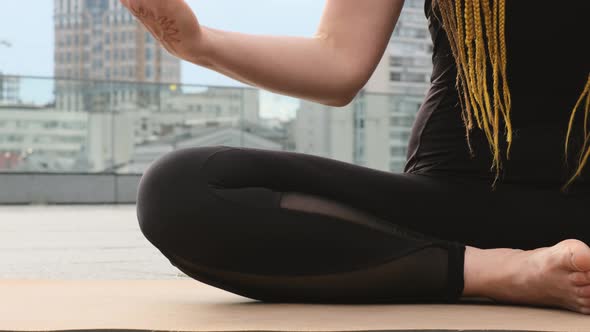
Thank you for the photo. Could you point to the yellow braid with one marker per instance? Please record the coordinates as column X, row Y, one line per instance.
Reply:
column 462, row 20
column 450, row 21
column 503, row 61
column 585, row 153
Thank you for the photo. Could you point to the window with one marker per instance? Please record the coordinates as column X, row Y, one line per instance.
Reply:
column 402, row 121
column 415, row 77
column 398, row 151
column 396, row 61
column 399, row 135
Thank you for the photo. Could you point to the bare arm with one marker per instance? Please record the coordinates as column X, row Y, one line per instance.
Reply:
column 328, row 68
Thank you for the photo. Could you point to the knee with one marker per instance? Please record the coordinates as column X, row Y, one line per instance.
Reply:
column 170, row 192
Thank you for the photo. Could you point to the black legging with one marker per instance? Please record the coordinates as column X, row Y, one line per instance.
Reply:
column 289, row 227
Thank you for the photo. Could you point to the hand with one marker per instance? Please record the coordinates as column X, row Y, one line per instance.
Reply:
column 172, row 23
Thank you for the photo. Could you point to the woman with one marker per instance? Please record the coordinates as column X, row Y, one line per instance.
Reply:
column 280, row 226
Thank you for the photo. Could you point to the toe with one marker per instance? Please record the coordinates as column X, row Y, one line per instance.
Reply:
column 578, row 254
column 580, row 278
column 583, row 291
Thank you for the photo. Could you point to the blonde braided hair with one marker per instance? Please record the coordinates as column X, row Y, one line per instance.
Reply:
column 466, row 22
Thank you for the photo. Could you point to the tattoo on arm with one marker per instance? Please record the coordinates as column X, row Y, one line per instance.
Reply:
column 165, row 28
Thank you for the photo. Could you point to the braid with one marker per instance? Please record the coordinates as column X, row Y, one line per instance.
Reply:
column 469, row 38
column 466, row 36
column 482, row 83
column 503, row 61
column 491, row 106
column 450, row 21
column 585, row 153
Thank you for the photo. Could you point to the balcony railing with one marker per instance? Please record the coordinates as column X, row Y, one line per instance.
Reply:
column 50, row 125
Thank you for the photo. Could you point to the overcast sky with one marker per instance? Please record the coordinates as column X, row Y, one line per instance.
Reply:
column 28, row 25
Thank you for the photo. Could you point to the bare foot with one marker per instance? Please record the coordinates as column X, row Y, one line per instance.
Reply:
column 557, row 276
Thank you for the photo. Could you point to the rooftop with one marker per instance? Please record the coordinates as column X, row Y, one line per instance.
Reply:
column 77, row 242
column 87, row 268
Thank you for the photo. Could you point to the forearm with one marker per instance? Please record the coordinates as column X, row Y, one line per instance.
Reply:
column 311, row 68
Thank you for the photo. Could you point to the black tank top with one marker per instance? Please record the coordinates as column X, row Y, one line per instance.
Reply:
column 548, row 51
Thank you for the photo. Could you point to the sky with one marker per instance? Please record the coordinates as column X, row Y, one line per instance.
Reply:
column 28, row 26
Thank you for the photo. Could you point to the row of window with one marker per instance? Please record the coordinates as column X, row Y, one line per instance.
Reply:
column 127, row 54
column 125, row 36
column 73, row 40
column 400, row 135
column 81, row 20
column 52, row 124
column 109, row 73
column 412, row 47
column 43, row 139
column 69, row 57
column 409, row 77
column 399, row 151
column 411, row 32
column 401, row 121
column 409, row 61
column 77, row 39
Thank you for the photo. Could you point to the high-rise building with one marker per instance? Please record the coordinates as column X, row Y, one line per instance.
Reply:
column 404, row 75
column 101, row 40
column 374, row 129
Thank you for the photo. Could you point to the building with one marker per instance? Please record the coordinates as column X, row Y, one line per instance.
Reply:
column 374, row 130
column 400, row 83
column 34, row 138
column 114, row 135
column 9, row 89
column 108, row 66
column 37, row 136
column 220, row 133
column 101, row 40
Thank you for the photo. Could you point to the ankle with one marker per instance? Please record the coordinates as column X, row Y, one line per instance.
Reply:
column 486, row 271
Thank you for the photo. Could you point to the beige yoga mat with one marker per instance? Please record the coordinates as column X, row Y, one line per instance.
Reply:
column 188, row 305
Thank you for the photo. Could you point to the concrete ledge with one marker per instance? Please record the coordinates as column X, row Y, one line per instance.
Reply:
column 47, row 188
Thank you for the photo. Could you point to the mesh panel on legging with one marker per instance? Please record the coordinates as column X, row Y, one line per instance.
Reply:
column 415, row 269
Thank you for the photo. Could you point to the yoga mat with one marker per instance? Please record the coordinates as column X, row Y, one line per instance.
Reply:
column 188, row 305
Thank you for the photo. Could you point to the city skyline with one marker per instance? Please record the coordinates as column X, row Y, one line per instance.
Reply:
column 32, row 48
column 95, row 40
